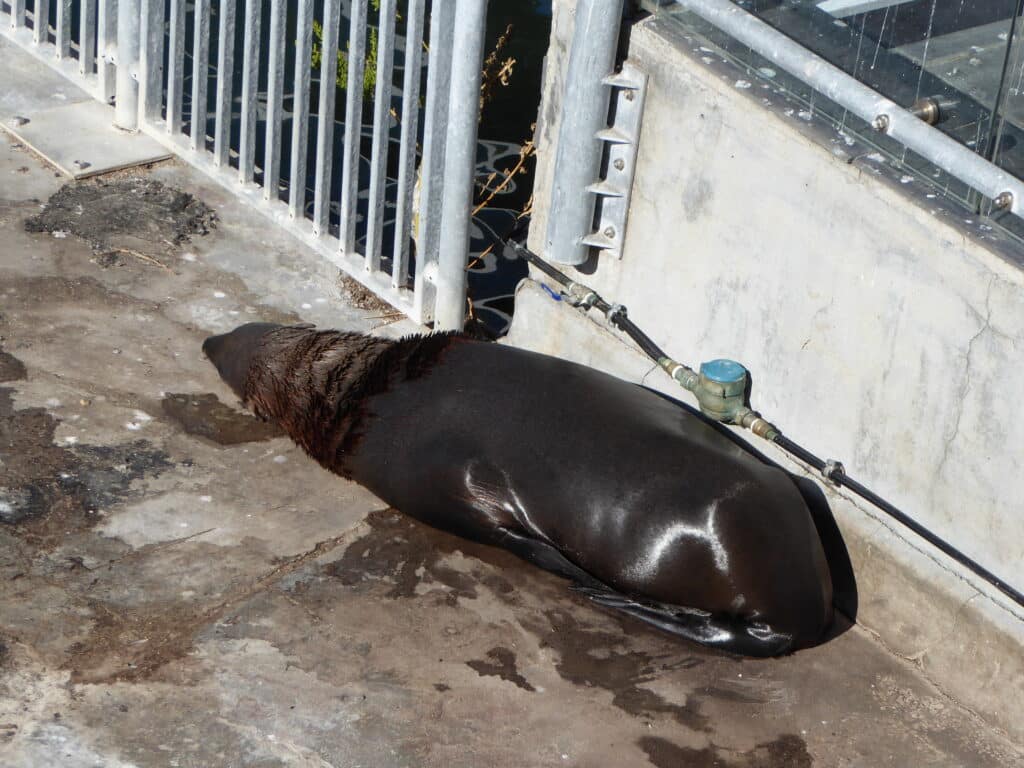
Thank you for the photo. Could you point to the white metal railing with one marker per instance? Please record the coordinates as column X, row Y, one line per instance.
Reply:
column 118, row 54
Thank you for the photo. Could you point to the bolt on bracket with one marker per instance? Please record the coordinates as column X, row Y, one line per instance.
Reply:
column 621, row 137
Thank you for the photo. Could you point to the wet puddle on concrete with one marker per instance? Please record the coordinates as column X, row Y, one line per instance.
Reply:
column 11, row 368
column 204, row 415
column 398, row 554
column 48, row 490
column 402, row 553
column 787, row 751
column 500, row 662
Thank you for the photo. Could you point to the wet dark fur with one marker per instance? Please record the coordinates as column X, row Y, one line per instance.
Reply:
column 315, row 384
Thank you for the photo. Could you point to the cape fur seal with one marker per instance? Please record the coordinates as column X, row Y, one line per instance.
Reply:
column 646, row 507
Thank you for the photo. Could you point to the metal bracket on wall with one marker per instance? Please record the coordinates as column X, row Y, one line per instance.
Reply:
column 629, row 87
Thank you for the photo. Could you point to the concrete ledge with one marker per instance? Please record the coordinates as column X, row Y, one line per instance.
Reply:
column 921, row 606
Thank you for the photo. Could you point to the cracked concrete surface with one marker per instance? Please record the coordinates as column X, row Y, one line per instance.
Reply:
column 180, row 586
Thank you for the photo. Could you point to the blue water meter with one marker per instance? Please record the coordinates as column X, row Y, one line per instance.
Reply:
column 724, row 371
column 721, row 389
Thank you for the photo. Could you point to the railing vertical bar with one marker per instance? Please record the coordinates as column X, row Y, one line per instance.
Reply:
column 407, row 150
column 151, row 60
column 381, row 134
column 353, row 126
column 225, row 68
column 41, row 22
column 325, row 117
column 17, row 14
column 126, row 97
column 63, row 28
column 200, row 74
column 428, row 237
column 459, row 164
column 176, row 61
column 250, row 87
column 275, row 98
column 300, row 111
column 87, row 37
column 106, row 13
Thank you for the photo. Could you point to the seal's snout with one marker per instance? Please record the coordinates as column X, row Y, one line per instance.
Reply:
column 232, row 352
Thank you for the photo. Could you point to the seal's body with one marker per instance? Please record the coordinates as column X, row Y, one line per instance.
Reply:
column 649, row 509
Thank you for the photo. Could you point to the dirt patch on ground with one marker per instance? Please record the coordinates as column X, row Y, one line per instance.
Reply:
column 129, row 644
column 787, row 751
column 48, row 490
column 206, row 416
column 362, row 297
column 104, row 212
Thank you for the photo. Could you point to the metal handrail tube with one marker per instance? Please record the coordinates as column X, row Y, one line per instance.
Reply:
column 882, row 113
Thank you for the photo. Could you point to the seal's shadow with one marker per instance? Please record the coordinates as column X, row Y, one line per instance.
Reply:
column 844, row 582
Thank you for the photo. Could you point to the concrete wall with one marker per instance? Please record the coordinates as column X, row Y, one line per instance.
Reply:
column 881, row 328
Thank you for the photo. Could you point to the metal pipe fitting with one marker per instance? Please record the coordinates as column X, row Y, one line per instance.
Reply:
column 685, row 376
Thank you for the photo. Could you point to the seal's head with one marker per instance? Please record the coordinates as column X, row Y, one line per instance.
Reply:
column 232, row 352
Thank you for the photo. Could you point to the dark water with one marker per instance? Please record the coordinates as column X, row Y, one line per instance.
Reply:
column 510, row 117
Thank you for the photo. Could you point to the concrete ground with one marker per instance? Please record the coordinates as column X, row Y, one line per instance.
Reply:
column 181, row 587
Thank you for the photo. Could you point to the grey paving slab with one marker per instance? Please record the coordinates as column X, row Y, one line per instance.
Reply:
column 81, row 140
column 27, row 86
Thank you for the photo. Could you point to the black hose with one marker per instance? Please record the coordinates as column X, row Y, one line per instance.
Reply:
column 841, row 478
column 617, row 315
column 642, row 340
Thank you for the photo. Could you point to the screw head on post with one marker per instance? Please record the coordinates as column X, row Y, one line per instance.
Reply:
column 1003, row 201
column 881, row 123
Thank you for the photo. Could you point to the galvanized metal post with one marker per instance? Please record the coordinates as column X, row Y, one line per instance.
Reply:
column 17, row 14
column 151, row 60
column 275, row 97
column 41, row 23
column 87, row 37
column 126, row 89
column 353, row 126
column 460, row 162
column 106, row 49
column 250, row 88
column 428, row 226
column 584, row 112
column 63, row 28
column 176, row 66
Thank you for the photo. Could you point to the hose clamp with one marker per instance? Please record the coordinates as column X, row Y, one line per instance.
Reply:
column 580, row 296
column 588, row 301
column 833, row 471
column 615, row 310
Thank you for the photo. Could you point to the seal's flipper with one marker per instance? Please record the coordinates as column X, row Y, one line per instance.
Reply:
column 545, row 556
column 726, row 633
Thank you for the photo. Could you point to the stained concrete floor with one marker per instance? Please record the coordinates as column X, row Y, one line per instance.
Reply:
column 179, row 586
